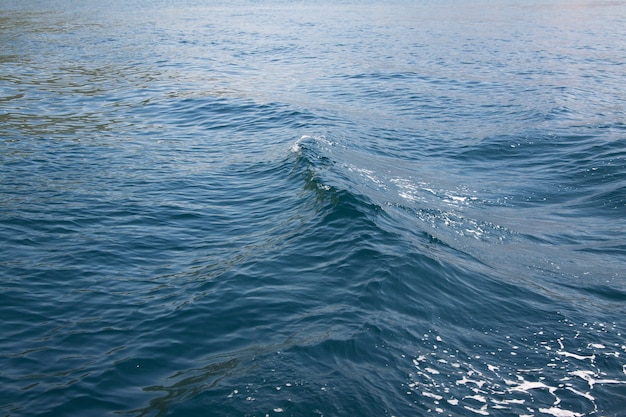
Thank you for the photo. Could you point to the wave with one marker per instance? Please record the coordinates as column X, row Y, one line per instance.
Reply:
column 472, row 216
column 364, row 286
column 432, row 205
column 350, row 287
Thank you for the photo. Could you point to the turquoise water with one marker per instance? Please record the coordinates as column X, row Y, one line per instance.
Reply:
column 357, row 208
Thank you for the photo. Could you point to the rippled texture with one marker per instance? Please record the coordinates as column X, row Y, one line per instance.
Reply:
column 281, row 208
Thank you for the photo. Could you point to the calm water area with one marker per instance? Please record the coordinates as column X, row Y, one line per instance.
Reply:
column 313, row 208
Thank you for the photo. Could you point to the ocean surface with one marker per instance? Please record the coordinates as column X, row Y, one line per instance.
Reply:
column 298, row 208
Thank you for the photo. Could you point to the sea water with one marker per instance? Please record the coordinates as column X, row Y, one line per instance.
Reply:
column 353, row 208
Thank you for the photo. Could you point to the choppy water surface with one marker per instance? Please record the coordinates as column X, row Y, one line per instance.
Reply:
column 295, row 208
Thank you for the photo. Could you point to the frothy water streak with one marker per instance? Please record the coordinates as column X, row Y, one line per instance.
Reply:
column 500, row 379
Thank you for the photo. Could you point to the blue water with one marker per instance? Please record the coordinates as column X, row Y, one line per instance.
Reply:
column 355, row 208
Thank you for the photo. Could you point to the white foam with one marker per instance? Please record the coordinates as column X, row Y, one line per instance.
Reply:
column 482, row 410
column 431, row 395
column 557, row 412
column 484, row 388
column 367, row 173
column 526, row 386
column 458, row 198
column 465, row 380
column 588, row 376
column 582, row 394
column 575, row 356
column 478, row 398
column 507, row 402
column 295, row 147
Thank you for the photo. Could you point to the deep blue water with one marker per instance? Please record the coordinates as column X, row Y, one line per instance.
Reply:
column 356, row 208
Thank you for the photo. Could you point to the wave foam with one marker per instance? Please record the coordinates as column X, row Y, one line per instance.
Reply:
column 561, row 383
